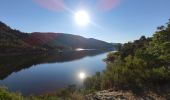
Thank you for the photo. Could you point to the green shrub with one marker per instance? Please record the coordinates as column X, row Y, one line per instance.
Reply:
column 141, row 64
column 6, row 95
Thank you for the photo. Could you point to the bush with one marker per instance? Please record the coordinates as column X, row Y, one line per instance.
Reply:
column 6, row 95
column 142, row 64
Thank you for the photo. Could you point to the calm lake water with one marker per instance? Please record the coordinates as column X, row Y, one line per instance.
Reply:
column 36, row 74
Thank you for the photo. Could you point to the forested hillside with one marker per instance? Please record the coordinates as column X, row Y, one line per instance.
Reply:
column 14, row 41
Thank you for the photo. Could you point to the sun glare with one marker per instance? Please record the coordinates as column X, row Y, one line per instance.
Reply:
column 82, row 17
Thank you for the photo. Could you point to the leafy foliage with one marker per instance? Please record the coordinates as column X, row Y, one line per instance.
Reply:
column 139, row 65
column 68, row 93
column 6, row 95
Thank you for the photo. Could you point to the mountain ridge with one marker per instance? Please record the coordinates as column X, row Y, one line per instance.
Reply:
column 12, row 40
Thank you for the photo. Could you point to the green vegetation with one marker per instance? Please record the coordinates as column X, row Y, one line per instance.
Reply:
column 13, row 41
column 139, row 65
column 69, row 93
column 6, row 95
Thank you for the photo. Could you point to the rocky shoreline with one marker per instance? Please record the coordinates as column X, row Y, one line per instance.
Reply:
column 123, row 95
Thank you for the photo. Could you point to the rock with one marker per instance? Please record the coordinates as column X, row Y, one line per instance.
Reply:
column 121, row 95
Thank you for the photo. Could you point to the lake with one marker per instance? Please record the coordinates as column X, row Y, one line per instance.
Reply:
column 41, row 73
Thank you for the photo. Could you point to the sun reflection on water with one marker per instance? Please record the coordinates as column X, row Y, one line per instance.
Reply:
column 79, row 49
column 82, row 75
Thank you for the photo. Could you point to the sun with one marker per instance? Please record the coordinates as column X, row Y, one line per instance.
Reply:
column 82, row 17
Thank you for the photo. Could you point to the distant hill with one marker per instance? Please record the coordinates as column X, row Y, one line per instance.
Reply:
column 12, row 40
column 68, row 41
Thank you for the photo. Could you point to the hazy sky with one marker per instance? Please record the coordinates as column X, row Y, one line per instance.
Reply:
column 111, row 20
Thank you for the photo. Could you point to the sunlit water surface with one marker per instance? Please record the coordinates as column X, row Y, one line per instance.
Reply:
column 48, row 73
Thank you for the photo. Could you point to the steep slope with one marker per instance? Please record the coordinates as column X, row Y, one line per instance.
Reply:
column 11, row 37
column 13, row 41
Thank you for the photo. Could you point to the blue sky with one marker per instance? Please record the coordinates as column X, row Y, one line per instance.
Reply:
column 125, row 22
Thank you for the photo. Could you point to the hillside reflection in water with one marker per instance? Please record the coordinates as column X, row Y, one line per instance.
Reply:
column 48, row 72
